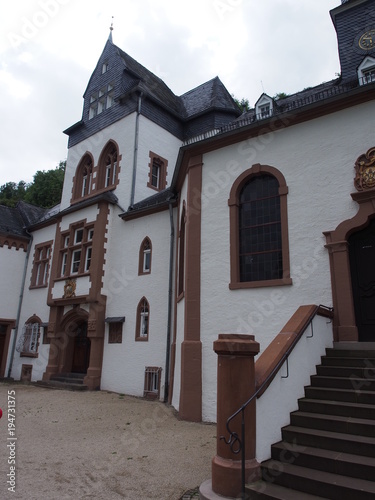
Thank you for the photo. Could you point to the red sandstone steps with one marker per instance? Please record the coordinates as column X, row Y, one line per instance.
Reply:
column 328, row 450
column 67, row 381
column 318, row 482
column 270, row 491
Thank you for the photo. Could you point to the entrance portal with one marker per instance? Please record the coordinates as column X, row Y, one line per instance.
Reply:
column 362, row 266
column 81, row 349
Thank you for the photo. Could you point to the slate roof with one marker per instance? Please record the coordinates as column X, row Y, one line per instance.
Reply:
column 209, row 95
column 14, row 221
column 152, row 84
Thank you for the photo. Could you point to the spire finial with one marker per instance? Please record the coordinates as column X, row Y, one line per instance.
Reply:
column 111, row 29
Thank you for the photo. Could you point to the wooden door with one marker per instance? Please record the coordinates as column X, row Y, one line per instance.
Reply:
column 81, row 352
column 362, row 264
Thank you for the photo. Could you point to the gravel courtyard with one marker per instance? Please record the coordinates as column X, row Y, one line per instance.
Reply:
column 98, row 445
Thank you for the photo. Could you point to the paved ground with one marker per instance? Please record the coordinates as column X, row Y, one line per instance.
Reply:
column 98, row 445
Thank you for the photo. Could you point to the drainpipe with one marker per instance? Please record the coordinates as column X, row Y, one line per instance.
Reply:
column 136, row 148
column 19, row 306
column 170, row 298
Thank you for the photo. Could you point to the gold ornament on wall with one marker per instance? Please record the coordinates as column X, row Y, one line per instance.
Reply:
column 365, row 171
column 69, row 289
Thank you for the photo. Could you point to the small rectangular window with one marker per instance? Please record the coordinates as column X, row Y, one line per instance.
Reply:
column 63, row 263
column 152, row 382
column 88, row 258
column 76, row 260
column 146, row 260
column 78, row 237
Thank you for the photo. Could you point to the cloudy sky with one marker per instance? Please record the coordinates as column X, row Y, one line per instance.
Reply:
column 49, row 49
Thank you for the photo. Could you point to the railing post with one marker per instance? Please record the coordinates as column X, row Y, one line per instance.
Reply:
column 235, row 384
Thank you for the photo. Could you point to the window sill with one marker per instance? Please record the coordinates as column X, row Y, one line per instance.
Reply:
column 29, row 354
column 35, row 287
column 259, row 284
column 141, row 339
column 72, row 276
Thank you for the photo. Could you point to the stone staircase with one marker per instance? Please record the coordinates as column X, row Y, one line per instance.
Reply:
column 67, row 381
column 328, row 450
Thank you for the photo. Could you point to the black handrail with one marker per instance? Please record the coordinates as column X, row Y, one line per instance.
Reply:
column 236, row 443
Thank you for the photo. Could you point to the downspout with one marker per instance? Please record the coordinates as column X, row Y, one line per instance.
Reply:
column 170, row 298
column 19, row 306
column 135, row 149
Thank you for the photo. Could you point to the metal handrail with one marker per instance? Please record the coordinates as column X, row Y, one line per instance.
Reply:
column 236, row 443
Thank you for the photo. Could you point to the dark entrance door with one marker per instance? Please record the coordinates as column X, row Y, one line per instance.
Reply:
column 81, row 352
column 362, row 265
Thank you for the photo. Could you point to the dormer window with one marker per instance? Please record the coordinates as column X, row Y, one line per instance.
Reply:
column 366, row 71
column 105, row 68
column 100, row 101
column 264, row 107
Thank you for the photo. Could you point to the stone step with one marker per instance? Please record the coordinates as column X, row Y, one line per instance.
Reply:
column 349, row 361
column 334, row 423
column 334, row 394
column 328, row 440
column 360, row 372
column 268, row 491
column 345, row 464
column 337, row 408
column 55, row 384
column 318, row 482
column 350, row 353
column 351, row 383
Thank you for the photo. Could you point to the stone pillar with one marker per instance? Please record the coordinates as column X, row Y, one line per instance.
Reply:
column 235, row 384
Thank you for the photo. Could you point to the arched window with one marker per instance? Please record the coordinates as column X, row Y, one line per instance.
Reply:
column 108, row 166
column 83, row 178
column 259, row 229
column 28, row 342
column 145, row 257
column 142, row 323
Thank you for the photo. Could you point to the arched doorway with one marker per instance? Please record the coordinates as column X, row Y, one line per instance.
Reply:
column 362, row 267
column 81, row 349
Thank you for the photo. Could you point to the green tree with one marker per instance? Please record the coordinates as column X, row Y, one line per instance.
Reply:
column 11, row 193
column 46, row 188
column 243, row 104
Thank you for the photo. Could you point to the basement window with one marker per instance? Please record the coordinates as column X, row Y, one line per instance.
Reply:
column 152, row 382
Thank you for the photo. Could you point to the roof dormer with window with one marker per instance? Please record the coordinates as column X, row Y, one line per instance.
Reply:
column 366, row 71
column 264, row 107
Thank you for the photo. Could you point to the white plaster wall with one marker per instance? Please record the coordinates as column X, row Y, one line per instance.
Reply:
column 122, row 132
column 159, row 141
column 317, row 160
column 12, row 264
column 151, row 138
column 34, row 302
column 273, row 408
column 124, row 364
column 88, row 214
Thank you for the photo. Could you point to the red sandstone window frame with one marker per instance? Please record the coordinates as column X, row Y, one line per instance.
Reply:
column 234, row 205
column 30, row 339
column 78, row 238
column 145, row 257
column 83, row 179
column 157, row 175
column 41, row 265
column 109, row 167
